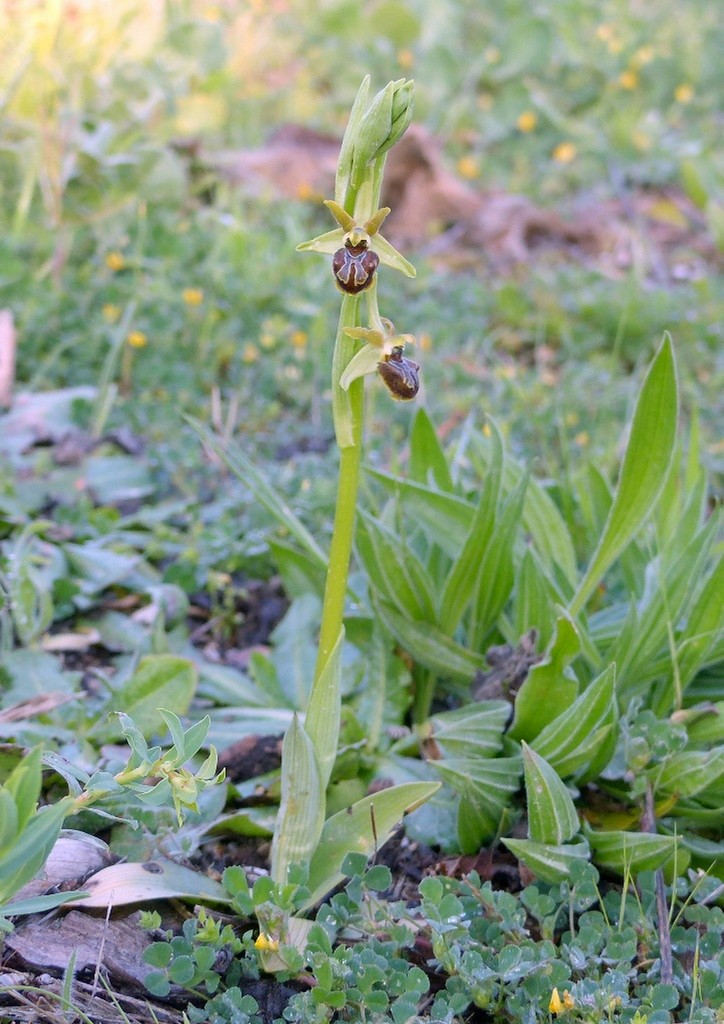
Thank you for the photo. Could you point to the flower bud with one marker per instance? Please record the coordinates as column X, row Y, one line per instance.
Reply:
column 384, row 123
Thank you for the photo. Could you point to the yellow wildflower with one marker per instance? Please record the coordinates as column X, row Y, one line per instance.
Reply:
column 604, row 33
column 628, row 80
column 564, row 152
column 137, row 339
column 111, row 313
column 267, row 339
column 115, row 260
column 266, row 943
column 582, row 439
column 644, row 55
column 299, row 339
column 425, row 342
column 305, row 192
column 641, row 140
column 568, row 1001
column 684, row 93
column 468, row 167
column 527, row 121
column 405, row 58
column 250, row 353
column 556, row 1003
column 193, row 296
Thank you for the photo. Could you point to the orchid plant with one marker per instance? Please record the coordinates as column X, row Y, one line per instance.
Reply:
column 364, row 345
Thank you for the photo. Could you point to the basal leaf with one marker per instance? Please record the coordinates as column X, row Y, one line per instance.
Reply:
column 630, row 851
column 548, row 861
column 552, row 816
column 548, row 689
column 643, row 471
column 571, row 740
column 394, row 570
column 361, row 828
column 301, row 810
column 430, row 647
column 689, row 772
column 445, row 517
column 428, row 464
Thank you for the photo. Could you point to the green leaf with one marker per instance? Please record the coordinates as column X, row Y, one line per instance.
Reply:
column 669, row 592
column 486, row 786
column 534, row 600
column 25, row 857
column 643, row 472
column 301, row 810
column 430, row 647
column 362, row 828
column 548, row 690
column 464, row 577
column 689, row 772
column 301, row 572
column 496, row 572
column 552, row 817
column 160, row 681
column 158, row 879
column 571, row 741
column 475, row 730
column 39, row 904
column 322, row 718
column 631, row 851
column 23, row 785
column 548, row 861
column 445, row 517
column 428, row 465
column 394, row 570
column 241, row 466
column 540, row 516
column 703, row 625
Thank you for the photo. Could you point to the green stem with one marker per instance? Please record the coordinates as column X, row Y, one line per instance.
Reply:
column 348, row 421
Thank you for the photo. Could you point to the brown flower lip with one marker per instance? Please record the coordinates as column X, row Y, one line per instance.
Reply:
column 354, row 266
column 401, row 375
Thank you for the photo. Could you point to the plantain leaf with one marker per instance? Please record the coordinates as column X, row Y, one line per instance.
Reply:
column 631, row 851
column 547, row 690
column 552, row 817
column 643, row 471
column 361, row 828
column 430, row 647
column 570, row 742
column 445, row 517
column 548, row 861
column 394, row 570
column 475, row 730
column 496, row 571
column 428, row 464
column 534, row 600
column 704, row 624
column 465, row 572
column 486, row 786
column 689, row 772
column 541, row 517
